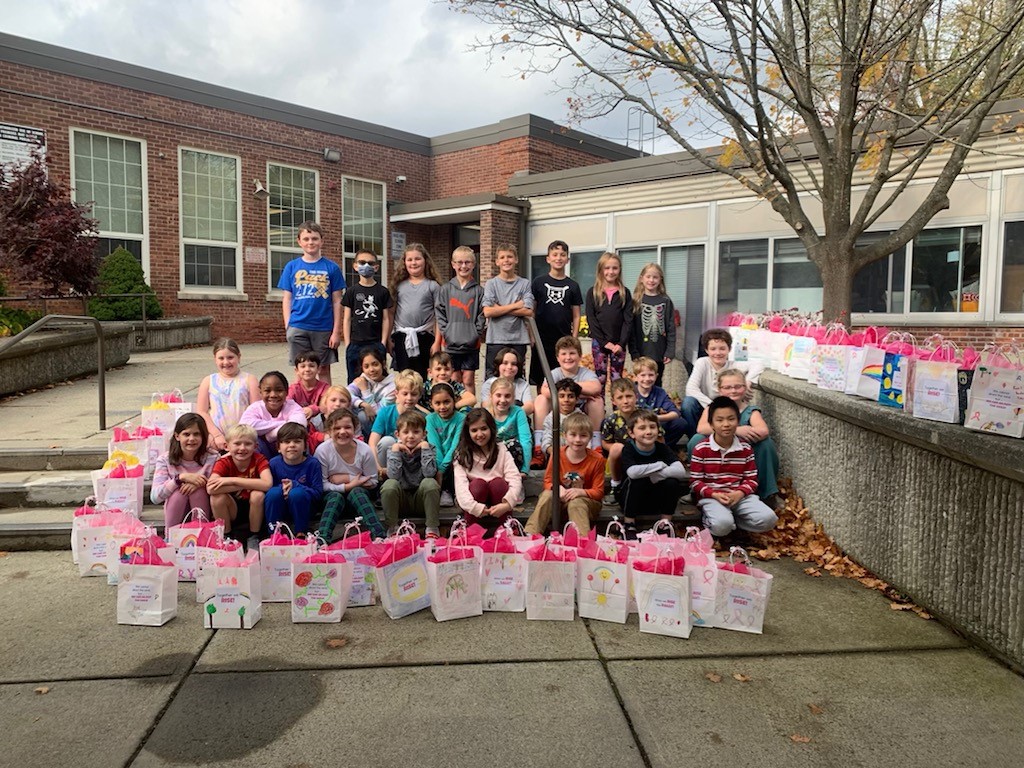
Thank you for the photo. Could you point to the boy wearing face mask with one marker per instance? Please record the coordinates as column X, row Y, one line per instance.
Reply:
column 366, row 322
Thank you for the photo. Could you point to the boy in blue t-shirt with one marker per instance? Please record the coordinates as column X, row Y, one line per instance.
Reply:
column 298, row 480
column 313, row 286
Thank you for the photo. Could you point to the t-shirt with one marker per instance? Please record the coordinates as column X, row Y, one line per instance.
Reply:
column 386, row 421
column 553, row 300
column 367, row 304
column 225, row 467
column 507, row 329
column 415, row 305
column 588, row 474
column 582, row 375
column 613, row 428
column 311, row 285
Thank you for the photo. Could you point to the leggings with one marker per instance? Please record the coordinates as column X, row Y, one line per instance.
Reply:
column 488, row 493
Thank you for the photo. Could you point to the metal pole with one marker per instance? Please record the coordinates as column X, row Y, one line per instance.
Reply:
column 556, row 435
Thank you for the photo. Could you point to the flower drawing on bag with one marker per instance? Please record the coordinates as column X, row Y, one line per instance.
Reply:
column 303, row 579
column 301, row 601
column 456, row 587
column 326, row 609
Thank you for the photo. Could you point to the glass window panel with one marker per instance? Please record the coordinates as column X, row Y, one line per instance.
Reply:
column 943, row 262
column 107, row 245
column 292, row 201
column 209, row 266
column 1011, row 297
column 878, row 287
column 684, row 283
column 108, row 172
column 796, row 281
column 634, row 260
column 362, row 221
column 742, row 277
column 583, row 268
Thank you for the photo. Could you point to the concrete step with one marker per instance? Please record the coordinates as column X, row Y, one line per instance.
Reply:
column 44, row 488
column 40, row 459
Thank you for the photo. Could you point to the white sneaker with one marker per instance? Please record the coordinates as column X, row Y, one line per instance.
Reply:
column 253, row 544
column 446, row 499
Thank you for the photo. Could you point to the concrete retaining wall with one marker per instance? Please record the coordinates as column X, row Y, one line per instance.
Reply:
column 45, row 359
column 172, row 333
column 934, row 509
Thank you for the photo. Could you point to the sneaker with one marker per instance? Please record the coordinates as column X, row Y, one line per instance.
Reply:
column 539, row 460
column 433, row 533
column 446, row 499
column 630, row 530
column 253, row 544
column 610, row 500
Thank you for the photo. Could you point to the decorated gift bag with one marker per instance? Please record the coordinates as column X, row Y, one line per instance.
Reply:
column 175, row 402
column 831, row 359
column 742, row 595
column 120, row 483
column 193, row 531
column 611, row 543
column 759, row 346
column 550, row 582
column 996, row 402
column 400, row 570
column 207, row 553
column 868, row 376
column 932, row 393
column 236, row 602
column 453, row 576
column 89, row 507
column 158, row 415
column 149, row 540
column 147, row 588
column 896, row 368
column 503, row 573
column 796, row 359
column 353, row 547
column 320, row 587
column 663, row 595
column 277, row 553
column 129, row 528
column 147, row 443
column 702, row 571
column 94, row 537
column 522, row 540
column 603, row 582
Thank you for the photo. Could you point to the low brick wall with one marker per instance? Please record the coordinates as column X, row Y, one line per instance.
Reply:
column 935, row 509
column 58, row 356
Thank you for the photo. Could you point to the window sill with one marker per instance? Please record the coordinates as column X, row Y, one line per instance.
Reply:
column 200, row 295
column 277, row 296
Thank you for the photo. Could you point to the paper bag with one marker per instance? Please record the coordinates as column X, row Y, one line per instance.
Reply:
column 894, row 379
column 147, row 595
column 550, row 587
column 504, row 581
column 742, row 596
column 869, row 377
column 455, row 586
column 664, row 603
column 276, row 567
column 236, row 602
column 603, row 590
column 190, row 534
column 320, row 588
column 403, row 586
column 122, row 492
column 996, row 402
column 932, row 394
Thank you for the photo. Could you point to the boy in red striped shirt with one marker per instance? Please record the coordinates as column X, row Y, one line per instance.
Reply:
column 723, row 476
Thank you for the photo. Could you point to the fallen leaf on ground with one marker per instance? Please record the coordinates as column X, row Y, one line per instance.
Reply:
column 42, row 689
column 3, row 554
column 336, row 642
column 741, row 678
column 812, row 572
column 815, row 709
column 901, row 606
column 713, row 677
column 798, row 739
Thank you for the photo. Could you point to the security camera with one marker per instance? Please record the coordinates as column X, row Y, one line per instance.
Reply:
column 260, row 192
column 399, row 179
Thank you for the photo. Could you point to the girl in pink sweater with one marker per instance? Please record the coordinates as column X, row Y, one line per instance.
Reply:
column 487, row 482
column 267, row 415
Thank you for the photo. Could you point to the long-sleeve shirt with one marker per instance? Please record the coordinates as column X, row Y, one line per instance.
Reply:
column 308, row 398
column 516, row 426
column 259, row 418
column 444, row 436
column 590, row 471
column 363, row 464
column 411, row 469
column 654, row 328
column 378, row 394
column 715, row 469
column 504, row 466
column 656, row 400
column 610, row 322
column 702, row 383
column 306, row 473
column 660, row 463
column 164, row 474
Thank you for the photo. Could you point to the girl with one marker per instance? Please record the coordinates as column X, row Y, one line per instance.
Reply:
column 333, row 398
column 443, row 427
column 224, row 395
column 179, row 479
column 373, row 390
column 513, row 428
column 508, row 365
column 414, row 289
column 268, row 414
column 609, row 308
column 349, row 472
column 752, row 429
column 487, row 482
column 654, row 327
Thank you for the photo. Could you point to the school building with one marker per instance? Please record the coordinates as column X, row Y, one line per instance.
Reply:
column 206, row 186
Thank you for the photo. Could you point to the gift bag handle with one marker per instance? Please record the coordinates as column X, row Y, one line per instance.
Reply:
column 195, row 512
column 565, row 529
column 276, row 528
column 405, row 529
column 691, row 534
column 740, row 551
column 514, row 521
column 354, row 524
column 615, row 522
column 660, row 523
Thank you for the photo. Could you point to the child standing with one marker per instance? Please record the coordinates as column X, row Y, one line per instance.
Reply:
column 614, row 430
column 307, row 389
column 349, row 473
column 567, row 392
column 414, row 288
column 367, row 322
column 724, row 476
column 411, row 487
column 266, row 416
column 654, row 324
column 444, row 424
column 239, row 482
column 408, row 386
column 441, row 373
column 654, row 478
column 311, row 303
column 488, row 485
column 223, row 396
column 508, row 364
column 557, row 300
column 507, row 300
column 371, row 391
column 460, row 317
column 609, row 308
column 568, row 352
column 581, row 481
column 180, row 475
column 298, row 484
column 511, row 423
column 651, row 397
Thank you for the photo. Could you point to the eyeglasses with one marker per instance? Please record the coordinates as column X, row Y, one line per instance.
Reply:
column 462, row 263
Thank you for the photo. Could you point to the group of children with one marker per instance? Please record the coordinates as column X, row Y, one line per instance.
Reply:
column 417, row 440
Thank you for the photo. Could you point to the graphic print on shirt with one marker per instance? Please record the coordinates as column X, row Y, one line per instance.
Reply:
column 556, row 293
column 652, row 321
column 466, row 306
column 311, row 284
column 368, row 309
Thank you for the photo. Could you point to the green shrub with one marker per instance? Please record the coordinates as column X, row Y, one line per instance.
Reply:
column 120, row 272
column 14, row 321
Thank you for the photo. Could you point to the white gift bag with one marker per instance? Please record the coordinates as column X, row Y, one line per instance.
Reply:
column 364, row 584
column 933, row 392
column 551, row 584
column 147, row 595
column 403, row 585
column 702, row 571
column 93, row 537
column 125, row 493
column 504, row 581
column 205, row 557
column 276, row 564
column 664, row 603
column 194, row 530
column 742, row 595
column 455, row 585
column 236, row 602
column 603, row 589
column 995, row 402
column 320, row 585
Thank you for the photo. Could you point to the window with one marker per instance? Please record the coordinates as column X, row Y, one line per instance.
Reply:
column 209, row 220
column 1012, row 293
column 796, row 281
column 582, row 268
column 362, row 215
column 742, row 277
column 684, row 283
column 292, row 201
column 879, row 287
column 633, row 261
column 108, row 171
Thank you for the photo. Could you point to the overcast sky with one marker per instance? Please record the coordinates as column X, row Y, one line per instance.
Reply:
column 399, row 63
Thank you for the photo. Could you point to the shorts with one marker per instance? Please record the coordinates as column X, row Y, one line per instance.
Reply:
column 300, row 340
column 242, row 505
column 465, row 361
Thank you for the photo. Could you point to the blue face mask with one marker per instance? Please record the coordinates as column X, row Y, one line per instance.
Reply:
column 365, row 270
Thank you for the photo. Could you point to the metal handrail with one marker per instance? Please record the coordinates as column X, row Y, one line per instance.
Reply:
column 101, row 367
column 556, row 433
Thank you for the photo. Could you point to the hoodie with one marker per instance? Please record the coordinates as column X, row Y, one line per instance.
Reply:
column 460, row 316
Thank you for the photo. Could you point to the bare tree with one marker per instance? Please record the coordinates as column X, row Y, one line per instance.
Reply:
column 827, row 109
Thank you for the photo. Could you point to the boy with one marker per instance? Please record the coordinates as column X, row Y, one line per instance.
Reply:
column 567, row 392
column 441, row 370
column 408, row 386
column 298, row 483
column 311, row 303
column 614, row 433
column 557, row 300
column 723, row 476
column 348, row 471
column 701, row 386
column 507, row 300
column 460, row 317
column 367, row 323
column 411, row 488
column 651, row 397
column 307, row 389
column 654, row 478
column 239, row 482
column 568, row 352
column 581, row 485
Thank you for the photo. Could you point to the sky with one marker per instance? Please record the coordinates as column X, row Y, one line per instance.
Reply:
column 405, row 64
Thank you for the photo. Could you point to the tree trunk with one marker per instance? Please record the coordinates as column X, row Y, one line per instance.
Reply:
column 837, row 282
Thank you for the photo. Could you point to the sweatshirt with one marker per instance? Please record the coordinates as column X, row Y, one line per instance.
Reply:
column 654, row 328
column 258, row 417
column 504, row 467
column 444, row 436
column 716, row 469
column 590, row 470
column 660, row 464
column 611, row 322
column 411, row 469
column 516, row 426
column 306, row 473
column 460, row 315
column 164, row 474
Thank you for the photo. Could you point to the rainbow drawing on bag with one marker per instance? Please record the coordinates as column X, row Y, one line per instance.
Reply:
column 872, row 371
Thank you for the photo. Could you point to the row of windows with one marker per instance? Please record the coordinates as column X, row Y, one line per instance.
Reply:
column 110, row 172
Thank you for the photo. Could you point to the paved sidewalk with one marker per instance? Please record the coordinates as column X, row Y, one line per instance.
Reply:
column 837, row 678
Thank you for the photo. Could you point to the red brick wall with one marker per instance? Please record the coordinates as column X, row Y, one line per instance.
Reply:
column 496, row 227
column 967, row 336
